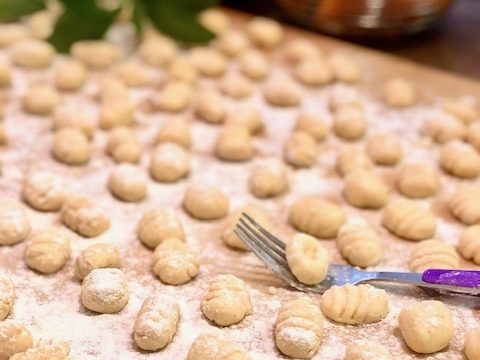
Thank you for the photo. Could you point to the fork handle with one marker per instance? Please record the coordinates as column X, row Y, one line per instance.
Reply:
column 463, row 278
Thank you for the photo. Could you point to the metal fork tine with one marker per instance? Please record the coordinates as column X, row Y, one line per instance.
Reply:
column 276, row 241
column 264, row 241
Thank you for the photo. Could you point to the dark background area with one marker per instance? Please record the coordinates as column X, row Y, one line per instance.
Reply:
column 453, row 44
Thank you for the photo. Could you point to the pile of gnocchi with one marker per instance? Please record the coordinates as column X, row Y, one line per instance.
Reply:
column 237, row 67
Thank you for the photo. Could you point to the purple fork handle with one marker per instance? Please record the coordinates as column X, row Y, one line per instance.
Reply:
column 463, row 278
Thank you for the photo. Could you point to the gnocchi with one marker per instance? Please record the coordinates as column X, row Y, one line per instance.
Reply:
column 473, row 135
column 248, row 116
column 45, row 349
column 282, row 91
column 367, row 350
column 127, row 183
column 418, row 180
column 71, row 147
column 236, row 86
column 5, row 74
column 43, row 191
column 265, row 32
column 299, row 49
column 465, row 204
column 159, row 224
column 226, row 301
column 384, row 149
column 7, row 296
column 123, row 145
column 234, row 143
column 158, row 51
column 363, row 189
column 81, row 215
column 349, row 123
column 14, row 222
column 210, row 107
column 443, row 128
column 208, row 62
column 352, row 158
column 472, row 345
column 169, row 163
column 268, row 179
column 116, row 112
column 96, row 54
column 182, row 69
column 205, row 202
column 344, row 68
column 463, row 111
column 233, row 43
column 14, row 338
column 311, row 124
column 399, row 93
column 313, row 72
column 32, row 53
column 70, row 76
column 469, row 244
column 40, row 99
column 132, row 74
column 73, row 117
column 433, row 254
column 300, row 150
column 254, row 65
column 215, row 20
column 359, row 245
column 209, row 346
column 175, row 130
column 175, row 96
column 97, row 256
column 460, row 160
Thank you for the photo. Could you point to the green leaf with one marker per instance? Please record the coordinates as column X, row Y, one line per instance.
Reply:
column 138, row 16
column 11, row 10
column 178, row 18
column 81, row 20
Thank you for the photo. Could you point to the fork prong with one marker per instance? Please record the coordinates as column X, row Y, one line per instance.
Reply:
column 263, row 240
column 279, row 243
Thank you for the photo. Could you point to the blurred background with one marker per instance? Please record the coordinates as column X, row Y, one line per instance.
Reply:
column 440, row 33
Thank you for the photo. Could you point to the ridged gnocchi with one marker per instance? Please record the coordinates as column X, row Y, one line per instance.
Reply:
column 299, row 49
column 227, row 300
column 465, row 204
column 472, row 345
column 409, row 220
column 7, row 296
column 156, row 323
column 433, row 254
column 32, row 53
column 460, row 159
column 234, row 143
column 307, row 259
column 355, row 305
column 97, row 256
column 469, row 244
column 363, row 189
column 359, row 245
column 316, row 216
column 418, row 180
column 169, row 162
column 205, row 202
column 81, row 215
column 350, row 158
column 300, row 150
column 159, row 224
column 174, row 262
column 299, row 328
column 210, row 346
column 268, row 179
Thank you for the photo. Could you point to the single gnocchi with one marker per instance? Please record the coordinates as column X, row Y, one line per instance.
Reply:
column 254, row 65
column 265, row 32
column 175, row 96
column 367, row 350
column 236, row 86
column 355, row 305
column 156, row 323
column 174, row 262
column 472, row 345
column 460, row 160
column 96, row 54
column 110, row 89
column 316, row 216
column 210, row 346
column 350, row 123
column 384, row 149
column 208, row 62
column 182, row 69
column 299, row 328
column 127, row 183
column 14, row 338
column 14, row 222
column 48, row 250
column 226, row 301
column 418, row 181
column 465, row 204
column 363, row 189
column 233, row 43
column 82, row 215
column 175, row 130
column 299, row 49
column 344, row 68
column 359, row 245
column 169, row 162
column 469, row 244
column 234, row 143
column 157, row 51
column 116, row 112
column 71, row 147
column 32, row 53
column 248, row 116
column 300, row 150
column 97, row 256
column 215, row 20
column 426, row 327
column 311, row 124
column 40, row 99
column 268, row 179
column 71, row 116
column 7, row 296
column 70, row 76
column 313, row 72
column 399, row 93
column 433, row 254
column 210, row 107
column 307, row 259
column 442, row 128
column 282, row 91
column 205, row 202
column 409, row 220
column 462, row 110
column 132, row 74
column 123, row 145
column 352, row 158
column 159, row 224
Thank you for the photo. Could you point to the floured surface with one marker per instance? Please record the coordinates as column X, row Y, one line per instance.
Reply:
column 49, row 305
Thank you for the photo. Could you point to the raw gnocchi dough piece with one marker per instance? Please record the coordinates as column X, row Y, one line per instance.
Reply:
column 174, row 262
column 110, row 89
column 113, row 113
column 175, row 96
column 367, row 350
column 105, row 291
column 265, row 32
column 268, row 179
column 282, row 91
column 175, row 130
column 41, row 23
column 45, row 349
column 234, row 143
column 205, row 202
column 352, row 158
column 73, row 117
column 43, row 190
column 426, row 327
column 233, row 43
column 311, row 124
column 418, row 180
column 12, row 33
column 301, row 149
column 344, row 68
column 14, row 223
column 157, row 225
column 97, row 256
column 96, row 54
column 132, row 74
column 123, row 145
column 399, row 93
column 359, row 245
column 307, row 259
column 208, row 62
column 349, row 123
column 472, row 345
column 460, row 159
column 157, row 51
column 40, row 99
column 384, row 149
column 169, row 162
column 48, row 250
column 14, row 338
column 355, row 305
column 344, row 95
column 5, row 74
column 209, row 346
column 316, row 216
column 442, row 127
column 461, row 110
column 433, row 254
column 210, row 107
column 236, row 86
column 82, row 215
column 299, row 49
column 71, row 147
column 248, row 116
column 156, row 323
column 465, row 204
column 127, row 183
column 469, row 244
column 226, row 301
column 215, row 20
column 182, row 69
column 230, row 238
column 70, row 76
column 408, row 220
column 299, row 328
column 313, row 72
column 32, row 53
column 473, row 135
column 254, row 64
column 7, row 297
column 363, row 189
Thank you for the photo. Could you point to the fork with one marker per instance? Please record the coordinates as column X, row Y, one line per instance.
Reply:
column 271, row 251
